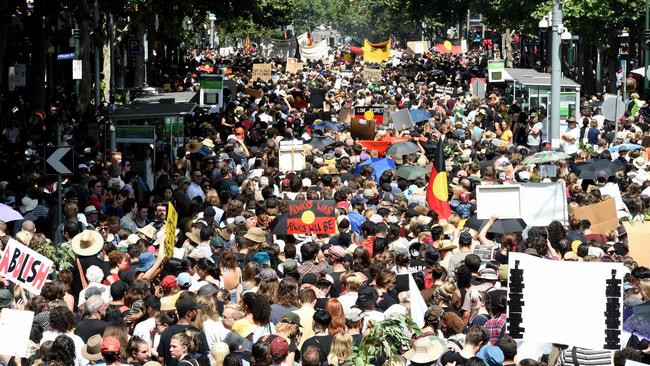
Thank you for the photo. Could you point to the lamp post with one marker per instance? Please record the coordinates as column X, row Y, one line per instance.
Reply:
column 556, row 73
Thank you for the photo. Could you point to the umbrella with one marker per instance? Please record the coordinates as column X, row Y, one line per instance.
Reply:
column 590, row 169
column 322, row 125
column 411, row 172
column 378, row 165
column 545, row 157
column 419, row 115
column 9, row 214
column 402, row 148
column 628, row 146
column 638, row 324
column 321, row 142
column 499, row 227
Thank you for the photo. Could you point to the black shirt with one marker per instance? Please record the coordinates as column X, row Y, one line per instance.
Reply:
column 165, row 340
column 322, row 342
column 89, row 327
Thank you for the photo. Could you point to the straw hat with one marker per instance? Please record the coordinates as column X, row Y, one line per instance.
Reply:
column 193, row 146
column 207, row 142
column 149, row 231
column 88, row 242
column 426, row 350
column 92, row 350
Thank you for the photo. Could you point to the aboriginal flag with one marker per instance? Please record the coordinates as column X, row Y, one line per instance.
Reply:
column 437, row 189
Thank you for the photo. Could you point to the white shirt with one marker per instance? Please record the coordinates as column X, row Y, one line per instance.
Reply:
column 78, row 345
column 194, row 190
column 571, row 148
column 143, row 330
column 214, row 332
column 348, row 300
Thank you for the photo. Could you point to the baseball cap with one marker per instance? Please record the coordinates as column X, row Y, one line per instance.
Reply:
column 291, row 318
column 110, row 345
column 169, row 282
column 184, row 280
column 185, row 304
column 353, row 314
column 267, row 275
column 279, row 347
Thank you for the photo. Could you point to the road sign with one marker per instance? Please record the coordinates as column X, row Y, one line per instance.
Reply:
column 65, row 56
column 59, row 160
column 134, row 47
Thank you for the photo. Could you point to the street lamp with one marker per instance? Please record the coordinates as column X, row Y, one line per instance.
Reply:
column 544, row 24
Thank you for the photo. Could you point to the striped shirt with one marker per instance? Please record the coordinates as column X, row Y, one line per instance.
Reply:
column 575, row 356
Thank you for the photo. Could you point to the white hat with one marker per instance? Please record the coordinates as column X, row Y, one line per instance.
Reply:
column 90, row 210
column 87, row 243
column 640, row 162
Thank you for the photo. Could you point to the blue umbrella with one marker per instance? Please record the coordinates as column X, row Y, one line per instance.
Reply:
column 324, row 124
column 419, row 115
column 378, row 165
column 356, row 220
column 628, row 146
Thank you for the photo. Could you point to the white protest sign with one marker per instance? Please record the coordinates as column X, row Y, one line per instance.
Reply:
column 291, row 156
column 77, row 69
column 24, row 267
column 401, row 119
column 594, row 290
column 502, row 201
column 15, row 326
column 538, row 204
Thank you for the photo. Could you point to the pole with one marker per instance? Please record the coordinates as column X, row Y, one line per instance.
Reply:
column 556, row 75
column 145, row 43
column 646, row 52
column 77, row 55
column 59, row 187
column 97, row 57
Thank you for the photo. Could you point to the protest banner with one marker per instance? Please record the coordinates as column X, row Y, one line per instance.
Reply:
column 376, row 52
column 379, row 146
column 371, row 75
column 170, row 230
column 598, row 324
column 314, row 216
column 637, row 241
column 15, row 328
column 262, row 72
column 602, row 216
column 24, row 267
column 375, row 113
column 291, row 156
column 502, row 201
column 401, row 120
column 446, row 90
column 362, row 129
column 417, row 47
column 293, row 66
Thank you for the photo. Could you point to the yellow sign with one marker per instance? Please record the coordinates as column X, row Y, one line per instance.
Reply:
column 170, row 230
column 376, row 52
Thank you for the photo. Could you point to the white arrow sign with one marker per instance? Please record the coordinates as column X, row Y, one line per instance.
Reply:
column 55, row 160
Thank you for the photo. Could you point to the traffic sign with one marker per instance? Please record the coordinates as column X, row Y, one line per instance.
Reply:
column 59, row 160
column 134, row 47
column 65, row 56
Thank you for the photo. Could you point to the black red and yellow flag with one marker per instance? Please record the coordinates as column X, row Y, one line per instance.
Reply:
column 307, row 217
column 438, row 188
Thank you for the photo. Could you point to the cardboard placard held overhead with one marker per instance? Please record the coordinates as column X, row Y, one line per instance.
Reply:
column 293, row 66
column 401, row 119
column 502, row 201
column 15, row 327
column 362, row 129
column 596, row 288
column 262, row 72
column 375, row 113
column 417, row 47
column 371, row 75
column 345, row 115
column 170, row 230
column 291, row 156
column 602, row 216
column 307, row 217
column 637, row 240
column 24, row 267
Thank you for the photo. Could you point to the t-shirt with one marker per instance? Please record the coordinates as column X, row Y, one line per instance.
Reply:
column 535, row 140
column 571, row 147
column 322, row 342
column 165, row 340
column 89, row 327
column 506, row 135
column 456, row 258
column 278, row 311
column 143, row 330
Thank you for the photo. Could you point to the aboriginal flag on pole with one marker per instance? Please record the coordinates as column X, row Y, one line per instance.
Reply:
column 437, row 189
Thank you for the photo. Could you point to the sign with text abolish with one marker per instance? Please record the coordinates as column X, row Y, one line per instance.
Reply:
column 307, row 217
column 170, row 230
column 24, row 267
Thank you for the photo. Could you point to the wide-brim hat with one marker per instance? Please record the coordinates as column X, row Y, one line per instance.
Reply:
column 207, row 142
column 87, row 243
column 640, row 162
column 149, row 231
column 256, row 235
column 92, row 350
column 27, row 204
column 193, row 146
column 426, row 350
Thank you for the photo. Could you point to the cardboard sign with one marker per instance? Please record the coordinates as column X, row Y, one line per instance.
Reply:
column 637, row 240
column 371, row 75
column 375, row 113
column 362, row 129
column 291, row 156
column 478, row 86
column 401, row 119
column 594, row 288
column 24, row 267
column 255, row 93
column 345, row 115
column 170, row 230
column 447, row 90
column 602, row 216
column 316, row 97
column 293, row 66
column 15, row 327
column 307, row 217
column 262, row 71
column 417, row 47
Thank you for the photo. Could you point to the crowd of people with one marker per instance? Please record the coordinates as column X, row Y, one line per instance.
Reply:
column 238, row 290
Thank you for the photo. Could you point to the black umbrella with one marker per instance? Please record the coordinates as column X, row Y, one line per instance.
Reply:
column 591, row 169
column 321, row 142
column 499, row 227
